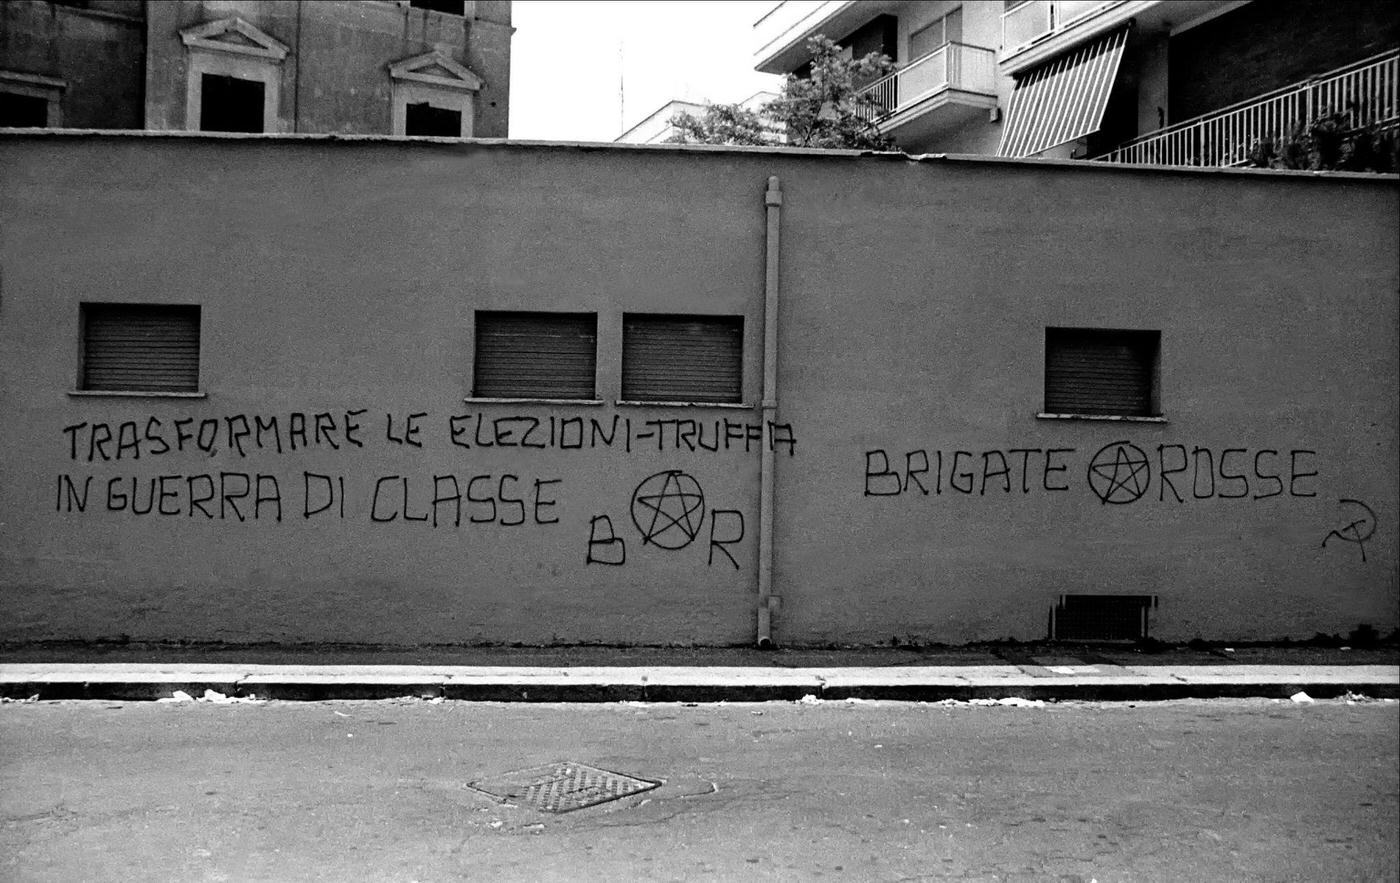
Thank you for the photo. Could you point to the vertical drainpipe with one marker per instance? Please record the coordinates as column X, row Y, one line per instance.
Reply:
column 767, row 601
column 296, row 72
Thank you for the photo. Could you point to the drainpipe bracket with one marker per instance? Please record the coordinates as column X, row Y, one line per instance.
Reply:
column 772, row 602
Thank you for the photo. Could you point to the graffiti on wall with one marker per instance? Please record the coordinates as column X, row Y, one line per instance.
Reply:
column 1119, row 473
column 1358, row 524
column 243, row 435
column 668, row 512
column 668, row 509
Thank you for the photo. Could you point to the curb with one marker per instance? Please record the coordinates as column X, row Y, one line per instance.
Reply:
column 136, row 682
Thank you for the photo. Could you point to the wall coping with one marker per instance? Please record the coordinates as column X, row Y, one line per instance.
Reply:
column 472, row 144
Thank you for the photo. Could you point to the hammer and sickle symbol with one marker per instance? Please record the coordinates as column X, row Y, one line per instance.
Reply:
column 1360, row 525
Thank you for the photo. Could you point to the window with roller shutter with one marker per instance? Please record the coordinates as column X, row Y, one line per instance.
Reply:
column 535, row 355
column 1102, row 372
column 669, row 358
column 139, row 348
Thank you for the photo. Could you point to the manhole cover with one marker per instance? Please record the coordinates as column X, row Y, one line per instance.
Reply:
column 561, row 787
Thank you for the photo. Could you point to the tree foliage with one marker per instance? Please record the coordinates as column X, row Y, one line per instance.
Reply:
column 721, row 124
column 824, row 110
column 827, row 109
column 1330, row 143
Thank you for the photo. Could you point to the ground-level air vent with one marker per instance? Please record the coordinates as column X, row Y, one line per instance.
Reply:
column 1101, row 617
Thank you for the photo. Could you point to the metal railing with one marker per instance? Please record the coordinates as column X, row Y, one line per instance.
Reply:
column 950, row 66
column 1367, row 92
column 1024, row 24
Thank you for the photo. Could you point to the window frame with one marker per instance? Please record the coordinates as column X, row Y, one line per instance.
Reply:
column 736, row 319
column 477, row 395
column 85, row 313
column 47, row 89
column 434, row 79
column 260, row 59
column 1145, row 338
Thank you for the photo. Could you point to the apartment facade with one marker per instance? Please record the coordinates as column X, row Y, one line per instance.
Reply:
column 306, row 388
column 403, row 67
column 1192, row 82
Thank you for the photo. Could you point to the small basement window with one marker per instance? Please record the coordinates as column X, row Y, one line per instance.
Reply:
column 424, row 119
column 1102, row 372
column 140, row 348
column 230, row 104
column 535, row 355
column 668, row 358
column 1101, row 617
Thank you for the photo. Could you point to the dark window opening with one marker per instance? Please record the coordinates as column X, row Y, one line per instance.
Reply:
column 1102, row 372
column 682, row 358
column 23, row 111
column 424, row 119
column 535, row 355
column 140, row 348
column 452, row 7
column 228, row 104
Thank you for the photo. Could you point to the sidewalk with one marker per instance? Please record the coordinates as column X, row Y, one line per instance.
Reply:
column 607, row 674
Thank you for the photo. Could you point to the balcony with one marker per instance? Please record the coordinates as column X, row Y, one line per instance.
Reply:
column 940, row 89
column 1034, row 21
column 1367, row 91
column 779, row 38
column 1037, row 31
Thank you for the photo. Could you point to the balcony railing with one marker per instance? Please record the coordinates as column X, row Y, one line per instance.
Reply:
column 950, row 66
column 1368, row 92
column 1024, row 24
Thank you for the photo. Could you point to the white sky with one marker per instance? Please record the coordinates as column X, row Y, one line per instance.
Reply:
column 565, row 64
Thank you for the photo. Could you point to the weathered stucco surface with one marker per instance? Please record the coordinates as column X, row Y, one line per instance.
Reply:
column 338, row 282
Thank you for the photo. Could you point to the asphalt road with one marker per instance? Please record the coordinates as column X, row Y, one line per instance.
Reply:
column 377, row 791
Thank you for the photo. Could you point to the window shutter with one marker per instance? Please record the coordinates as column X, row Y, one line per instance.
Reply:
column 140, row 348
column 536, row 355
column 1092, row 371
column 682, row 358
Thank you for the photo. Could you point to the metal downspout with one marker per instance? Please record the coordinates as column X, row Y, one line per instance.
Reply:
column 767, row 601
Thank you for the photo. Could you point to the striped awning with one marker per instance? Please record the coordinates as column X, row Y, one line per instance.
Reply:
column 1063, row 99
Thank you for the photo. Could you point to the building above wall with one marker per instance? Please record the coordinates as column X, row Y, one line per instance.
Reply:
column 1196, row 82
column 259, row 65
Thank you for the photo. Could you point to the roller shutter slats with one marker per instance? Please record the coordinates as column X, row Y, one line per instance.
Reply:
column 140, row 348
column 682, row 358
column 1099, row 372
column 536, row 355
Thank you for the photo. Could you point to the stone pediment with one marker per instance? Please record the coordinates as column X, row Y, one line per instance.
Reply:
column 436, row 69
column 234, row 35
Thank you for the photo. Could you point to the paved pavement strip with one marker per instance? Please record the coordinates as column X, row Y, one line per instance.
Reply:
column 691, row 683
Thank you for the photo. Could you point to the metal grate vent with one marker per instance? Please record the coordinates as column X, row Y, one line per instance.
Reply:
column 1101, row 617
column 562, row 787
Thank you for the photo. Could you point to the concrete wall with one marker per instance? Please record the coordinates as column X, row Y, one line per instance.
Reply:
column 341, row 279
column 336, row 79
column 99, row 52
